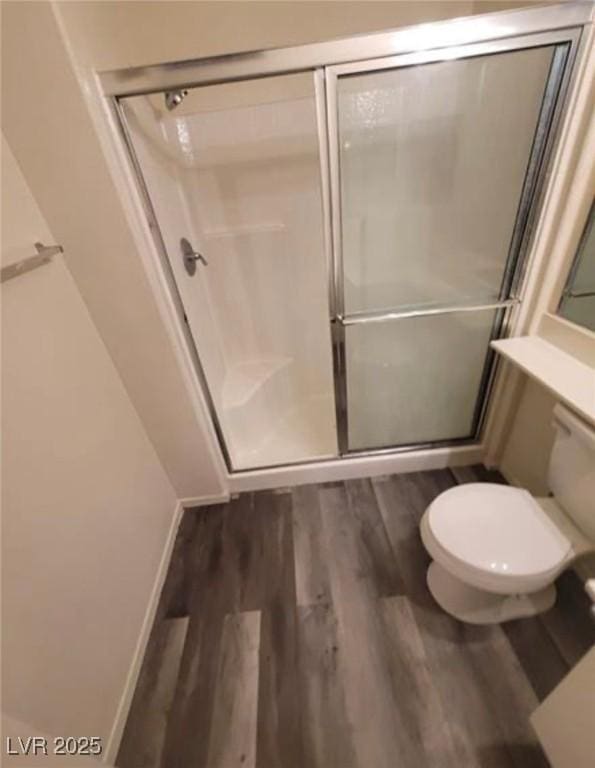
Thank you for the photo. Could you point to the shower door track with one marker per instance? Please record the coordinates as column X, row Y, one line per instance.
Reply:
column 420, row 44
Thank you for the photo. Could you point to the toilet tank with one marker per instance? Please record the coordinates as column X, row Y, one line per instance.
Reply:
column 571, row 474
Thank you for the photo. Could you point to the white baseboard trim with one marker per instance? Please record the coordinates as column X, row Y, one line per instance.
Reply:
column 113, row 744
column 203, row 501
column 363, row 466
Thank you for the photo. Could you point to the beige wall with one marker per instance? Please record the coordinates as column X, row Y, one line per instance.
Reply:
column 109, row 35
column 86, row 504
column 51, row 133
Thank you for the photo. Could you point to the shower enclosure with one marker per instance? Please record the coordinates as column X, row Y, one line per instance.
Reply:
column 347, row 223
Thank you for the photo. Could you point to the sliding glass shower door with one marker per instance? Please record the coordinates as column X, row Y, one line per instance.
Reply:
column 233, row 176
column 434, row 159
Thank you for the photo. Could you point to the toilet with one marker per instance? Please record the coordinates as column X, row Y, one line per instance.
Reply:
column 497, row 550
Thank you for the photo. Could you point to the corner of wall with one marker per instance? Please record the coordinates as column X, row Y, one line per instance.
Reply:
column 90, row 216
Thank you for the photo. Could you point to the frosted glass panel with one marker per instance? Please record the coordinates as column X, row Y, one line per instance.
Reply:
column 235, row 170
column 416, row 379
column 432, row 163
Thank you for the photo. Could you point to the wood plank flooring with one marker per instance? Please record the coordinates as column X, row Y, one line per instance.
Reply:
column 295, row 630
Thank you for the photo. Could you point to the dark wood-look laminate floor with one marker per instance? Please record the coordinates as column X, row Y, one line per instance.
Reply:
column 295, row 630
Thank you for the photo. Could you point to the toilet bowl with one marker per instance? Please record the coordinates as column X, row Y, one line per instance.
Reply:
column 497, row 550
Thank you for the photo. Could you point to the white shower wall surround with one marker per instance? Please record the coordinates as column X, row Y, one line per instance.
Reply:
column 403, row 190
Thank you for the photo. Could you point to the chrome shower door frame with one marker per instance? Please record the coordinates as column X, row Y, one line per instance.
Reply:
column 512, row 287
column 419, row 44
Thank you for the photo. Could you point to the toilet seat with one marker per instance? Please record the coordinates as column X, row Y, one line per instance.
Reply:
column 494, row 537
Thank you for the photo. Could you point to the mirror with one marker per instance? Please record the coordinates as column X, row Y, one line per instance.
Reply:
column 578, row 299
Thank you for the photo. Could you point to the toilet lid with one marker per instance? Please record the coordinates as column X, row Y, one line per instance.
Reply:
column 497, row 528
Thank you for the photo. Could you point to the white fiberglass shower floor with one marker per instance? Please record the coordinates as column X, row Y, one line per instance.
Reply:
column 303, row 433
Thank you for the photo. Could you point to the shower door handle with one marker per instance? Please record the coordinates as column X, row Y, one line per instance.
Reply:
column 190, row 256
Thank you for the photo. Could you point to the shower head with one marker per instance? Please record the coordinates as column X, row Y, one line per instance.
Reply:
column 174, row 98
